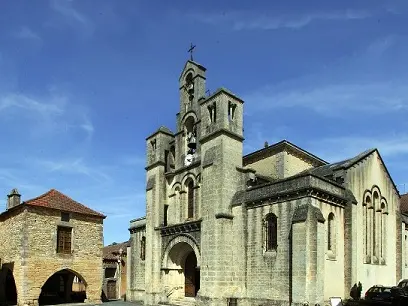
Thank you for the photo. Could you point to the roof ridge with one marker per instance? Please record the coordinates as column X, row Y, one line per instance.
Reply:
column 75, row 201
column 53, row 199
column 38, row 197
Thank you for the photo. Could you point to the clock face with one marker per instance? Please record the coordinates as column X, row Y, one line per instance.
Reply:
column 188, row 160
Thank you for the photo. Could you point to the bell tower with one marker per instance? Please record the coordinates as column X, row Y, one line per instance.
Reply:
column 191, row 86
column 192, row 92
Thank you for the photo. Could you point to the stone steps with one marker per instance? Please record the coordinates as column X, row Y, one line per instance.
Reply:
column 181, row 302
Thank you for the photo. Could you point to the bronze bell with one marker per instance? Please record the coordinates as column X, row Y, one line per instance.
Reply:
column 190, row 88
column 192, row 144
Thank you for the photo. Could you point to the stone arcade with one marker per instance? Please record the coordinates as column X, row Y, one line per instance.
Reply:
column 279, row 226
column 50, row 251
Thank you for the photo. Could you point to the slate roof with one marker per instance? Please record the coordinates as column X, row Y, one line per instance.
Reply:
column 111, row 251
column 343, row 164
column 404, row 203
column 327, row 171
column 59, row 201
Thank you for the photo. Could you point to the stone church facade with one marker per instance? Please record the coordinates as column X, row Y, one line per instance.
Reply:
column 50, row 251
column 279, row 226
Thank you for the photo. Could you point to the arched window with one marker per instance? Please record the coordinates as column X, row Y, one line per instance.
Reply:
column 177, row 209
column 383, row 229
column 143, row 248
column 367, row 227
column 376, row 221
column 190, row 204
column 271, row 232
column 375, row 218
column 331, row 233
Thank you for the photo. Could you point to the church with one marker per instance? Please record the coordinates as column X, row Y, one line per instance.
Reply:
column 278, row 226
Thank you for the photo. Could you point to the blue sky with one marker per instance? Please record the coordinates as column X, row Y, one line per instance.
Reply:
column 82, row 83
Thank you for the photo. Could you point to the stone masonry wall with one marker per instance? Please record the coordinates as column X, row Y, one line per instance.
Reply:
column 404, row 251
column 11, row 247
column 333, row 259
column 269, row 272
column 272, row 166
column 38, row 249
column 136, row 287
column 363, row 176
column 294, row 164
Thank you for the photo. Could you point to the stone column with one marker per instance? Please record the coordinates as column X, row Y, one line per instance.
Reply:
column 307, row 267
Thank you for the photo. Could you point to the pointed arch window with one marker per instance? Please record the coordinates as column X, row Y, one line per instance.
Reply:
column 271, row 232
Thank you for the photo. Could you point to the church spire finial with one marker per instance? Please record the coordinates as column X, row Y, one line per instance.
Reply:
column 191, row 51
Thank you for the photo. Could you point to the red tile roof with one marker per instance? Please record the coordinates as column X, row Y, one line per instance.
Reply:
column 56, row 200
column 110, row 251
column 404, row 203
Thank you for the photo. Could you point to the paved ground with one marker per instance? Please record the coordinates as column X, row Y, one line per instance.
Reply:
column 121, row 303
column 112, row 303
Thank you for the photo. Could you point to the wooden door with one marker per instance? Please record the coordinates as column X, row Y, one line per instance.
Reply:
column 190, row 275
column 111, row 290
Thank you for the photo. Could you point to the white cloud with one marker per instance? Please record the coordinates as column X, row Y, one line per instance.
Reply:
column 75, row 166
column 71, row 16
column 380, row 46
column 55, row 106
column 240, row 20
column 128, row 205
column 332, row 99
column 370, row 80
column 26, row 33
column 52, row 113
column 15, row 178
column 82, row 122
column 340, row 148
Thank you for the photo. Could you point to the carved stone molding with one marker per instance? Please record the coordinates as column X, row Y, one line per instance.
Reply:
column 187, row 227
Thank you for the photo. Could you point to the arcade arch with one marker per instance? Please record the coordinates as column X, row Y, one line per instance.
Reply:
column 64, row 286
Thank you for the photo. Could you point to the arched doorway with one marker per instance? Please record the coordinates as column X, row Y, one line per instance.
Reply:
column 191, row 276
column 64, row 286
column 181, row 274
column 11, row 289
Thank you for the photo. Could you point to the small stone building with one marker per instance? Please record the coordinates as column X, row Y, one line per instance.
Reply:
column 115, row 270
column 50, row 251
column 278, row 226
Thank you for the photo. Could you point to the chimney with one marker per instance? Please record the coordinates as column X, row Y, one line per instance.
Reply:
column 13, row 198
column 266, row 144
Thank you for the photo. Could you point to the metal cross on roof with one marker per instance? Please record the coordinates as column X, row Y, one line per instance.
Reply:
column 191, row 51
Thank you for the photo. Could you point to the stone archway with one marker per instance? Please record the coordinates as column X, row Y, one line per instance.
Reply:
column 64, row 286
column 181, row 272
column 8, row 290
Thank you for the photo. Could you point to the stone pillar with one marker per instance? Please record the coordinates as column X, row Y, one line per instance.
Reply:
column 94, row 291
column 155, row 195
column 30, row 298
column 129, row 279
column 307, row 242
column 400, row 265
